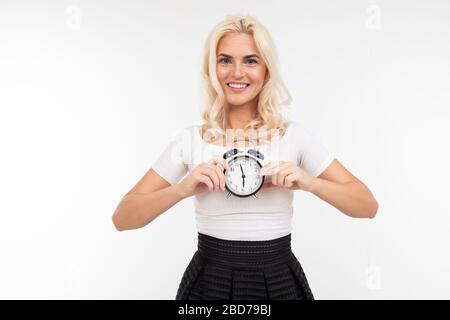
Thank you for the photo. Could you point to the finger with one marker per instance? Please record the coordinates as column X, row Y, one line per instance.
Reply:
column 214, row 176
column 290, row 179
column 218, row 160
column 271, row 167
column 266, row 167
column 277, row 179
column 206, row 180
column 209, row 172
column 282, row 174
column 274, row 171
column 221, row 176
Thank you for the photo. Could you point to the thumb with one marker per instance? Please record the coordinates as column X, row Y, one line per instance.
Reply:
column 268, row 185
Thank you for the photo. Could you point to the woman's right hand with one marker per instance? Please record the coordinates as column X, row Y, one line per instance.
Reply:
column 205, row 176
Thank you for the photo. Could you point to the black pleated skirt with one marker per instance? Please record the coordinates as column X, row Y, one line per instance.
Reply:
column 244, row 270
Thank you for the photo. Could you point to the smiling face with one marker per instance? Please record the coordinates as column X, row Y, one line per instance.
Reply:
column 239, row 62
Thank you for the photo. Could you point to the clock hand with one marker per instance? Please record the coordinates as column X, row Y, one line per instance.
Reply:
column 243, row 175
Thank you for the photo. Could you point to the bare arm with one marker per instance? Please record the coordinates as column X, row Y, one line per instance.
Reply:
column 351, row 198
column 137, row 210
column 337, row 186
column 153, row 195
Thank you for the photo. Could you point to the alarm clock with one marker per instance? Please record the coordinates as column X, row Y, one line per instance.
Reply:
column 242, row 179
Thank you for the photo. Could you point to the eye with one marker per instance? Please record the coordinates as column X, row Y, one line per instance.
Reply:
column 252, row 61
column 223, row 59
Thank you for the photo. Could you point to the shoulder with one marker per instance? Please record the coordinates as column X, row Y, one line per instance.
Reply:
column 296, row 125
column 295, row 128
column 184, row 132
column 182, row 137
column 300, row 132
column 281, row 132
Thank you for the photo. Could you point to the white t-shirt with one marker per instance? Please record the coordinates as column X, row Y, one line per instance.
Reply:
column 265, row 217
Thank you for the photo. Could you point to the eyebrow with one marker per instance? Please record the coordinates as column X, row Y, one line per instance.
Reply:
column 249, row 56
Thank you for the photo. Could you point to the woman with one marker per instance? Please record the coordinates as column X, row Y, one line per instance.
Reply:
column 244, row 243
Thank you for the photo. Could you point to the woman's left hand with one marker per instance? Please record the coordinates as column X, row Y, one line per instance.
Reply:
column 286, row 174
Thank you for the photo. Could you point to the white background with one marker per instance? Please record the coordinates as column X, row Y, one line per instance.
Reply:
column 91, row 91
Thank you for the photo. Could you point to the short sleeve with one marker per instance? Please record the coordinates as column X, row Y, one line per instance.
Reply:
column 313, row 157
column 170, row 164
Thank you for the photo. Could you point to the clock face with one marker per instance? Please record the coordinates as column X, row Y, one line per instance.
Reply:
column 242, row 177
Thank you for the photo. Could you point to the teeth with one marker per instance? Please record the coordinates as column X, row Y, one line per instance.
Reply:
column 237, row 86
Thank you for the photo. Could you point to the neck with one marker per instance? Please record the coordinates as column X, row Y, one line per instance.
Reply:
column 237, row 117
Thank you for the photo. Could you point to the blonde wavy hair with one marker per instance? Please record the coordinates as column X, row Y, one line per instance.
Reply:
column 268, row 118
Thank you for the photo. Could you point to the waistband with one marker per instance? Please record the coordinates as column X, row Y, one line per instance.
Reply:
column 244, row 254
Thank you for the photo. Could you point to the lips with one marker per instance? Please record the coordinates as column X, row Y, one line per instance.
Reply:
column 238, row 83
column 237, row 89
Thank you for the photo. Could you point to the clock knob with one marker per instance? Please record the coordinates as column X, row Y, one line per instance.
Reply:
column 256, row 154
column 230, row 153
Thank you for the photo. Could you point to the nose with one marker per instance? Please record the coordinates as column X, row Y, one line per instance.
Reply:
column 237, row 71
